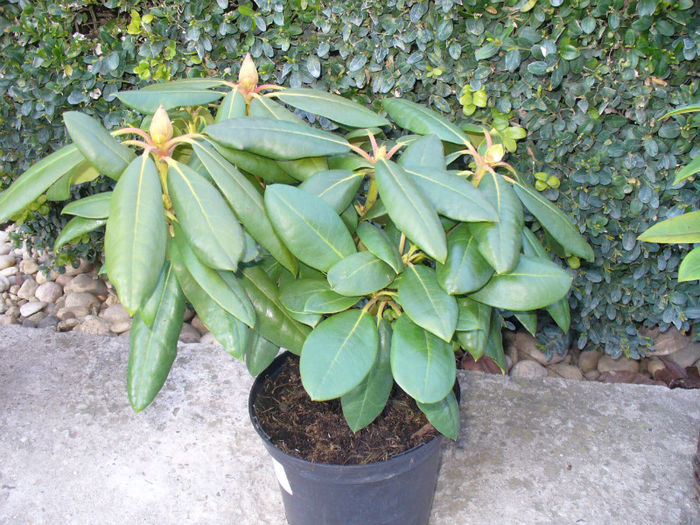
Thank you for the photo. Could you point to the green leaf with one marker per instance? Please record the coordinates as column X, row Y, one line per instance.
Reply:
column 308, row 226
column 97, row 145
column 148, row 100
column 366, row 401
column 336, row 187
column 422, row 364
column 96, row 206
column 421, row 120
column 682, row 229
column 37, row 179
column 333, row 107
column 443, row 415
column 378, row 244
column 359, row 274
column 534, row 283
column 473, row 315
column 303, row 169
column 499, row 243
column 692, row 168
column 231, row 333
column 487, row 51
column 338, row 354
column 295, row 293
column 259, row 354
column 537, row 68
column 60, row 190
column 569, row 52
column 465, row 270
column 452, row 196
column 247, row 203
column 691, row 108
column 428, row 305
column 494, row 343
column 689, row 270
column 557, row 224
column 222, row 290
column 274, row 322
column 206, row 219
column 426, row 152
column 153, row 350
column 329, row 302
column 412, row 213
column 136, row 234
column 528, row 320
column 267, row 169
column 276, row 139
column 76, row 227
column 266, row 107
column 560, row 310
column 232, row 106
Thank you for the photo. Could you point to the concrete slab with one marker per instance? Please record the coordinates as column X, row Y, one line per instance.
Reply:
column 546, row 452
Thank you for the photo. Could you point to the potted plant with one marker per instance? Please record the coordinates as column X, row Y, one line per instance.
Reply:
column 373, row 259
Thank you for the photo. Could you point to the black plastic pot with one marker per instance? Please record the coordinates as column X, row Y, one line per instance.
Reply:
column 395, row 492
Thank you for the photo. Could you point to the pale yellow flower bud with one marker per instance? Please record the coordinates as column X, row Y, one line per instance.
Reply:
column 495, row 153
column 161, row 128
column 248, row 76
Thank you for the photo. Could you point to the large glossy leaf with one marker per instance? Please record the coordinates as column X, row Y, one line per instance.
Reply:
column 97, row 206
column 443, row 415
column 348, row 161
column 276, row 139
column 412, row 213
column 494, row 343
column 421, row 120
column 229, row 297
column 426, row 152
column 265, row 107
column 534, row 283
column 379, row 244
column 528, row 320
column 60, row 190
column 359, row 274
column 336, row 187
column 560, row 310
column 231, row 333
column 136, row 235
column 552, row 219
column 473, row 315
column 428, row 305
column 247, row 203
column 96, row 144
column 274, row 322
column 367, row 400
column 205, row 217
column 682, row 229
column 308, row 226
column 338, row 354
column 267, row 169
column 452, row 196
column 37, row 179
column 422, row 364
column 259, row 354
column 333, row 107
column 500, row 242
column 329, row 302
column 689, row 270
column 170, row 96
column 153, row 349
column 690, row 169
column 295, row 293
column 465, row 270
column 302, row 169
column 76, row 227
column 233, row 105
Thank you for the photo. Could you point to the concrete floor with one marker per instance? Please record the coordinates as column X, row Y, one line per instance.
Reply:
column 546, row 452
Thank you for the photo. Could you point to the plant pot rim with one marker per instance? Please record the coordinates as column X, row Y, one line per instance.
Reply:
column 421, row 450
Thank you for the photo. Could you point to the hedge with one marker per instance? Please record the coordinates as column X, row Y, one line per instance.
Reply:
column 588, row 80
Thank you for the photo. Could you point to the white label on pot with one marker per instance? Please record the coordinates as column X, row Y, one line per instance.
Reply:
column 281, row 476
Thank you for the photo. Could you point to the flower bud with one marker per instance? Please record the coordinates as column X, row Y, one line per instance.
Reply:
column 161, row 128
column 248, row 76
column 495, row 153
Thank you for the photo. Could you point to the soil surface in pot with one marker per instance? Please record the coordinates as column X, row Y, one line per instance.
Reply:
column 317, row 431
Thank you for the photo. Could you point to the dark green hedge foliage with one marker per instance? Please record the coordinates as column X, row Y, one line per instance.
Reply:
column 588, row 79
